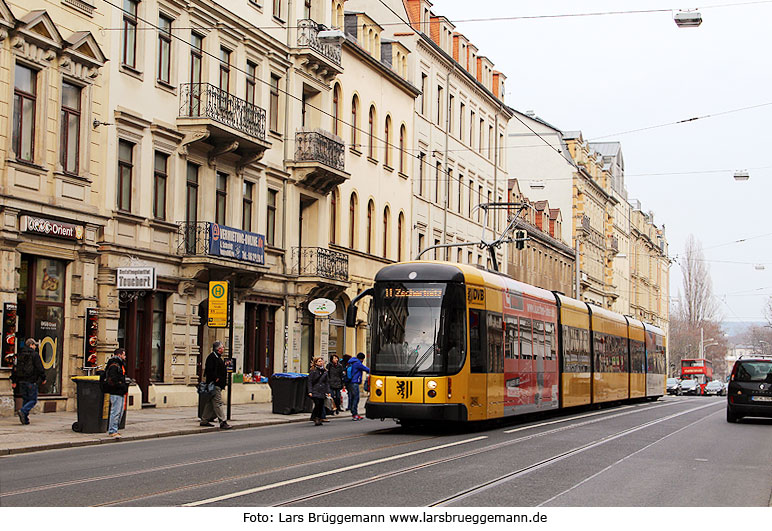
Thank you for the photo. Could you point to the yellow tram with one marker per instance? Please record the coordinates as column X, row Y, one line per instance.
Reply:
column 456, row 343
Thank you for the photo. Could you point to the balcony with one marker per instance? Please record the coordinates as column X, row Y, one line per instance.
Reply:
column 586, row 223
column 614, row 244
column 319, row 161
column 326, row 270
column 229, row 124
column 321, row 59
column 211, row 251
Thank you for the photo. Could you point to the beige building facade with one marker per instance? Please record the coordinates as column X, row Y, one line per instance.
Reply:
column 53, row 80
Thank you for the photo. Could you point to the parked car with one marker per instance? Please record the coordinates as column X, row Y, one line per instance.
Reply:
column 690, row 387
column 750, row 389
column 673, row 386
column 714, row 387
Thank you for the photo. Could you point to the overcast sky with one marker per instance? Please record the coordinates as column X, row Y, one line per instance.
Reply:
column 609, row 74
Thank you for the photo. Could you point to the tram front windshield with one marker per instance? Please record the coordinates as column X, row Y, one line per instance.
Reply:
column 419, row 329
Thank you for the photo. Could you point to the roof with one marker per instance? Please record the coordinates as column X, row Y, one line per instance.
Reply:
column 607, row 149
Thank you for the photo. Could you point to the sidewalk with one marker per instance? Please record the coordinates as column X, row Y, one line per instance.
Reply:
column 47, row 431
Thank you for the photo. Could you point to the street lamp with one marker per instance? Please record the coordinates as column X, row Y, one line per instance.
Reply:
column 688, row 19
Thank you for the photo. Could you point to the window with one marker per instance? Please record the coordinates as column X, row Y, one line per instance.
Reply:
column 352, row 218
column 336, row 110
column 490, row 142
column 246, row 206
column 125, row 169
column 422, row 105
column 400, row 232
column 526, row 348
column 354, row 122
column 371, row 134
column 436, row 250
column 225, row 69
column 482, row 136
column 160, row 175
column 69, row 153
column 420, row 243
column 164, row 48
column 421, row 159
column 387, row 142
column 277, row 8
column 471, row 129
column 402, row 134
column 221, row 198
column 274, row 110
column 386, row 221
column 460, row 193
column 439, row 105
column 437, row 172
column 196, row 54
column 451, row 119
column 24, row 105
column 461, row 111
column 479, row 202
column 129, row 41
column 370, row 214
column 270, row 225
column 448, row 188
column 469, row 203
column 333, row 215
column 251, row 82
column 191, row 194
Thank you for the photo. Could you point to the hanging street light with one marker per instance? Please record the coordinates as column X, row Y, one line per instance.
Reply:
column 688, row 19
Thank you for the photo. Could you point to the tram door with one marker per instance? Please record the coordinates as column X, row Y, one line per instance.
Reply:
column 478, row 359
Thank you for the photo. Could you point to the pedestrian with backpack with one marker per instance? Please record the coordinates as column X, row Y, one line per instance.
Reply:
column 27, row 375
column 116, row 386
column 354, row 373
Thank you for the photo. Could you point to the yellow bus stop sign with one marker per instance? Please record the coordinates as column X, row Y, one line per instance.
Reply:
column 218, row 304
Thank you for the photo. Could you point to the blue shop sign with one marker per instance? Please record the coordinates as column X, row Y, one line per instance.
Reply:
column 237, row 244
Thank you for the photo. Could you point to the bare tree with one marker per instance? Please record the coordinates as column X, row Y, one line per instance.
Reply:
column 697, row 305
column 768, row 311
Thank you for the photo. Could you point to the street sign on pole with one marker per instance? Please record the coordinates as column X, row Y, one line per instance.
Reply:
column 218, row 304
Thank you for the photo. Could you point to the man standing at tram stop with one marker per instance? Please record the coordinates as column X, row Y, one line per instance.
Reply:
column 354, row 372
column 117, row 387
column 28, row 374
column 215, row 372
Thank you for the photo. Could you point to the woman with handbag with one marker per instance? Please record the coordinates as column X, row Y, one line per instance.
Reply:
column 318, row 389
column 337, row 372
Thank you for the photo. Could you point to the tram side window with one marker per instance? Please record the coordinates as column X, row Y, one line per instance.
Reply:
column 538, row 339
column 477, row 351
column 495, row 339
column 638, row 357
column 599, row 344
column 526, row 348
column 549, row 338
column 511, row 345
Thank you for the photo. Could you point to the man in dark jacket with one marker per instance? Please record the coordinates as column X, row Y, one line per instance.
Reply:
column 337, row 373
column 28, row 374
column 214, row 372
column 357, row 368
column 117, row 388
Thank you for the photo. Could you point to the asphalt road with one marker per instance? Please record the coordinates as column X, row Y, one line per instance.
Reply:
column 678, row 451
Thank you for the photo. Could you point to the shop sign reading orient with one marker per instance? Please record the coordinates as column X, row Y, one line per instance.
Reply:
column 49, row 227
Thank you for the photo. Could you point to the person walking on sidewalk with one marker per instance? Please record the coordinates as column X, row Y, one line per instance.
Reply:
column 318, row 390
column 27, row 375
column 117, row 387
column 355, row 369
column 337, row 373
column 214, row 372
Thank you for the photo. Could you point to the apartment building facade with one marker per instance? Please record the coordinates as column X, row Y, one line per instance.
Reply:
column 649, row 269
column 52, row 77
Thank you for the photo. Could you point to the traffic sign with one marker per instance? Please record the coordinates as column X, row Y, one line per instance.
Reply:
column 218, row 304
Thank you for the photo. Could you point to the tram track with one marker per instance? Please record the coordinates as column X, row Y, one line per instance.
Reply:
column 559, row 457
column 172, row 466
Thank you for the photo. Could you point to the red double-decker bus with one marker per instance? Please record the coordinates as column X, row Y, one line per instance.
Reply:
column 698, row 369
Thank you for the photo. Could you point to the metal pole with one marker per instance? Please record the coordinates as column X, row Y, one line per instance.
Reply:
column 230, row 343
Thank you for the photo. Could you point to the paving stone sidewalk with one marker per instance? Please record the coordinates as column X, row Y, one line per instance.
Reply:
column 48, row 431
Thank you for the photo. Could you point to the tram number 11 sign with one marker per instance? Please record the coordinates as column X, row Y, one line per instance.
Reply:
column 218, row 304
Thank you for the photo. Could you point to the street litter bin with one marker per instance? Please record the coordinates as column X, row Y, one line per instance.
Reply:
column 289, row 393
column 93, row 406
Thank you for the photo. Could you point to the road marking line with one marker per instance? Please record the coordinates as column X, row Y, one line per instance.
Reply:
column 328, row 473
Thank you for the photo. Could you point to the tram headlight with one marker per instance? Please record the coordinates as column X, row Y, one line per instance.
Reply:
column 379, row 383
column 431, row 384
column 432, row 393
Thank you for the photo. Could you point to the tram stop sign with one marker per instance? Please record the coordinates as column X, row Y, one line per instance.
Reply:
column 218, row 304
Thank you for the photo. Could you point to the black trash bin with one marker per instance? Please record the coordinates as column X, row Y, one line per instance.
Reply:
column 93, row 406
column 289, row 393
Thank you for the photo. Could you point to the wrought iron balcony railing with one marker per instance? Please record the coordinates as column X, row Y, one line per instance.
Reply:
column 320, row 262
column 202, row 100
column 308, row 37
column 615, row 244
column 193, row 238
column 586, row 222
column 319, row 146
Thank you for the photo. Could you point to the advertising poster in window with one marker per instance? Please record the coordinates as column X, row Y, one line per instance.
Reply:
column 49, row 331
column 50, row 281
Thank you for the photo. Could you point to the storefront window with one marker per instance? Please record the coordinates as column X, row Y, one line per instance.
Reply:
column 157, row 348
column 49, row 284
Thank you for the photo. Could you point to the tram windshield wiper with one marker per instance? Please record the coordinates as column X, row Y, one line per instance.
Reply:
column 422, row 359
